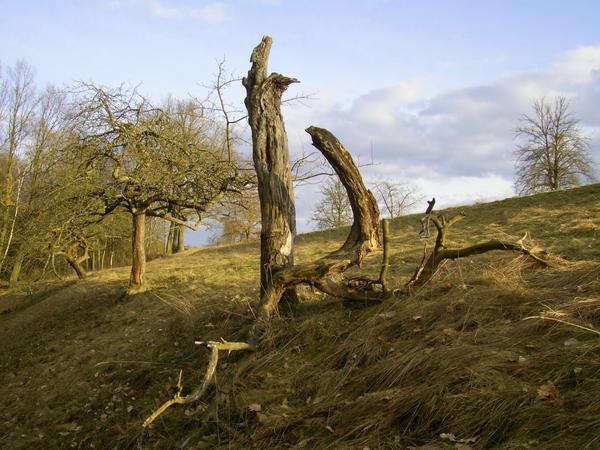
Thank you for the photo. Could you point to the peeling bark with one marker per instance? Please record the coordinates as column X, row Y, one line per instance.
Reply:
column 273, row 169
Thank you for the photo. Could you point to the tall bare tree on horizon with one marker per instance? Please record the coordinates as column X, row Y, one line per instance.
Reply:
column 553, row 152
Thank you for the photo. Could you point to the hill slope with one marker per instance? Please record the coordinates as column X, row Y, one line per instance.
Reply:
column 83, row 365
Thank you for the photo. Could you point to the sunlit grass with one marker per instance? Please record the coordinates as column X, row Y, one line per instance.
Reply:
column 84, row 364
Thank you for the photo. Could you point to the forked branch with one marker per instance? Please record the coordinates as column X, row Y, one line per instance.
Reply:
column 430, row 265
column 199, row 392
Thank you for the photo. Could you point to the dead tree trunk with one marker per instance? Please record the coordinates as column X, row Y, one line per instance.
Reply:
column 272, row 164
column 138, row 264
column 326, row 274
column 271, row 161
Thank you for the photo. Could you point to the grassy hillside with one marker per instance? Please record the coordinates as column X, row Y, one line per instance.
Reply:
column 83, row 365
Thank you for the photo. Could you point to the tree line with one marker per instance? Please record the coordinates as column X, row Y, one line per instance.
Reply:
column 93, row 177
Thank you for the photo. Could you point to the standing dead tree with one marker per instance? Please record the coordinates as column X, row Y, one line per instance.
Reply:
column 326, row 274
column 272, row 163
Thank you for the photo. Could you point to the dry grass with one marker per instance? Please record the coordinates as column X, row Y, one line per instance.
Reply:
column 83, row 365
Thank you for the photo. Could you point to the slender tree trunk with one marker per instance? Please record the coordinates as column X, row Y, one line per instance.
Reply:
column 385, row 264
column 174, row 238
column 17, row 266
column 103, row 257
column 138, row 265
column 6, row 199
column 169, row 243
column 168, row 237
column 180, row 238
column 271, row 161
column 20, row 181
column 54, row 268
column 110, row 260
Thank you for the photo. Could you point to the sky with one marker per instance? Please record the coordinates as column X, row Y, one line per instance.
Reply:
column 430, row 91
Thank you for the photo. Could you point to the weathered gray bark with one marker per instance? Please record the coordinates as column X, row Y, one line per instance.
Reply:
column 272, row 164
column 271, row 161
column 138, row 264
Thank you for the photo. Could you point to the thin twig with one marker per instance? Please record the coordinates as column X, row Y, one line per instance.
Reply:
column 591, row 330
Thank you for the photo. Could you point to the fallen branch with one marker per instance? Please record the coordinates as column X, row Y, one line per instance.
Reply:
column 430, row 265
column 554, row 319
column 197, row 393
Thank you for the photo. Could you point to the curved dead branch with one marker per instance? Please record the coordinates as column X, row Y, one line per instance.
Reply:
column 199, row 392
column 326, row 274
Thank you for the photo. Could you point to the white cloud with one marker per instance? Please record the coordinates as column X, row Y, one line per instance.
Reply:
column 463, row 132
column 455, row 145
column 579, row 66
column 452, row 191
column 209, row 12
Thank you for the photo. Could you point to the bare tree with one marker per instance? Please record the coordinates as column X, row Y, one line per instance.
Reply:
column 553, row 153
column 150, row 162
column 34, row 178
column 334, row 209
column 239, row 217
column 18, row 105
column 395, row 199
